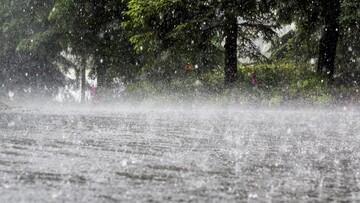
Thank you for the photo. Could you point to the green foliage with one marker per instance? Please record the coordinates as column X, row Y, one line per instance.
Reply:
column 27, row 49
column 349, row 46
column 277, row 83
column 147, row 43
column 293, row 81
column 194, row 30
column 93, row 29
column 302, row 44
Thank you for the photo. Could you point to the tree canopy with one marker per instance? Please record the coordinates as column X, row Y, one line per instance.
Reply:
column 160, row 40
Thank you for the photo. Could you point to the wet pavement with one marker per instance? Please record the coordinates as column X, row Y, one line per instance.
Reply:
column 180, row 156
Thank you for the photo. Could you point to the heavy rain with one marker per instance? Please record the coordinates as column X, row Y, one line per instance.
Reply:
column 179, row 101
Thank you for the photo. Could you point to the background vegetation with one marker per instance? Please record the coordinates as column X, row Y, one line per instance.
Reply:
column 185, row 47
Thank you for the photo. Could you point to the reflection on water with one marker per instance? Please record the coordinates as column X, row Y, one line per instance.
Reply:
column 180, row 156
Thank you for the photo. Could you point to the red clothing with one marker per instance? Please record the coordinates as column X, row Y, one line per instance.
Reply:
column 93, row 91
column 253, row 79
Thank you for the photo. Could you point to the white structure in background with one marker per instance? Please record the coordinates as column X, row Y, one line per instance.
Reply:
column 264, row 46
column 70, row 92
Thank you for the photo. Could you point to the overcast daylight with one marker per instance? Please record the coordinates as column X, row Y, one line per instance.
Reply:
column 179, row 101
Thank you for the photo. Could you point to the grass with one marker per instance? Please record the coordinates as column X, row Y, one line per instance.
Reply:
column 277, row 83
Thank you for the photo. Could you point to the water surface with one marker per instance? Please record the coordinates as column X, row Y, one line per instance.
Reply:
column 218, row 155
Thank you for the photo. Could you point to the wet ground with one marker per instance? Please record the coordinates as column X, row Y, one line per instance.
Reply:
column 180, row 156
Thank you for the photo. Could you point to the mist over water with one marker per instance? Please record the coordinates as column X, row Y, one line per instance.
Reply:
column 173, row 152
column 179, row 101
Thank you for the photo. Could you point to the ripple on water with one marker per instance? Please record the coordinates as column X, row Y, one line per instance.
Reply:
column 165, row 156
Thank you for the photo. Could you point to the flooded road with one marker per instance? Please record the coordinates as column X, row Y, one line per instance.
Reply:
column 180, row 156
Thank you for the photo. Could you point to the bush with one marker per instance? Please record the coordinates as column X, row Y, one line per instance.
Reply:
column 276, row 83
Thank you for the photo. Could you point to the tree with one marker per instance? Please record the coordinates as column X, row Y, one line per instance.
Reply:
column 348, row 52
column 26, row 57
column 92, row 29
column 163, row 25
column 329, row 38
column 322, row 29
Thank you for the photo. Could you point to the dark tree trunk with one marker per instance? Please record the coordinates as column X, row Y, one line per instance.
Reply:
column 205, row 53
column 101, row 76
column 83, row 80
column 231, row 60
column 329, row 39
column 77, row 78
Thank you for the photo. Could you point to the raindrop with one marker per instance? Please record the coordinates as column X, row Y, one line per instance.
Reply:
column 198, row 83
column 288, row 131
column 312, row 61
column 11, row 124
column 11, row 95
column 124, row 163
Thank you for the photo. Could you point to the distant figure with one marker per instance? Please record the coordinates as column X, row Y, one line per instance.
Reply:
column 254, row 81
column 93, row 92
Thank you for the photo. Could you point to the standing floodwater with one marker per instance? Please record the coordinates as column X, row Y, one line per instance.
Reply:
column 180, row 156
